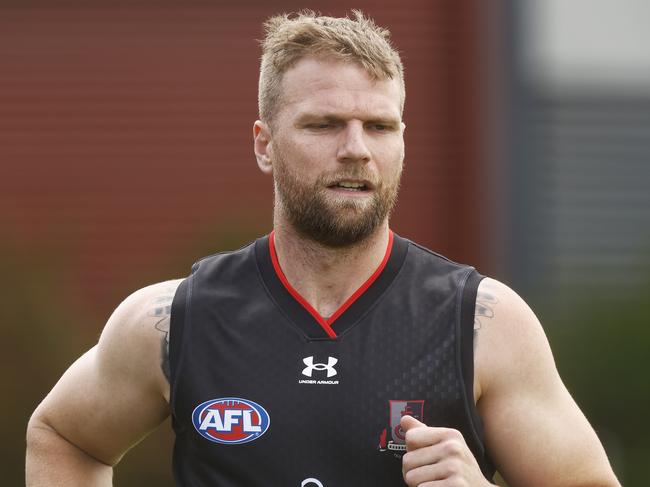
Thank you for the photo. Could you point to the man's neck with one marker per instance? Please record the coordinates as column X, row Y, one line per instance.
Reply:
column 324, row 276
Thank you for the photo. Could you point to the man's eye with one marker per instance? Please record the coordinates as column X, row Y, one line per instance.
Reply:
column 380, row 127
column 319, row 126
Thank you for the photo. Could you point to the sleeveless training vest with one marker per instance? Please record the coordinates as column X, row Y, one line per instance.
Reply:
column 265, row 392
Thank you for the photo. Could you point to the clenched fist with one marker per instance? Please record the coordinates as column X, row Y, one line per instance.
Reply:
column 438, row 457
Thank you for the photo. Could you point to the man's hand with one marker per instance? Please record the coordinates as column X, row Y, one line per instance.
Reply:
column 438, row 457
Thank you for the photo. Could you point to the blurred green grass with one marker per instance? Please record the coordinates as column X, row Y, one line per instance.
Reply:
column 601, row 343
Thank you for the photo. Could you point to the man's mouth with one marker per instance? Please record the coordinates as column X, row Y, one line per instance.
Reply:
column 355, row 186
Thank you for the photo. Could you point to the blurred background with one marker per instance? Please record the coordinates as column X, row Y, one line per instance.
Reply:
column 126, row 154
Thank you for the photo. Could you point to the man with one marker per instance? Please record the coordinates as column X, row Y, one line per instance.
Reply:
column 331, row 352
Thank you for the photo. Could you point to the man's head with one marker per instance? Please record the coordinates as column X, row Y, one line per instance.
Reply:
column 291, row 38
column 331, row 133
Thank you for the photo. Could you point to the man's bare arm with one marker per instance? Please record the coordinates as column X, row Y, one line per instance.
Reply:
column 108, row 400
column 534, row 430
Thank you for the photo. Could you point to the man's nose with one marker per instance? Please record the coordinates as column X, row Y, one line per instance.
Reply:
column 352, row 146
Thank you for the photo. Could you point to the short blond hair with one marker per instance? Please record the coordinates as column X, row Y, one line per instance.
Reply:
column 291, row 37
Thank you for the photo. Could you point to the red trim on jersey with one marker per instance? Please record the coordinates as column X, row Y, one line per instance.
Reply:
column 326, row 324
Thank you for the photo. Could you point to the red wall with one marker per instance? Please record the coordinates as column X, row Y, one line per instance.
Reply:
column 125, row 133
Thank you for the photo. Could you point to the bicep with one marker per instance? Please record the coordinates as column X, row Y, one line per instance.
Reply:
column 539, row 437
column 99, row 414
column 534, row 430
column 114, row 394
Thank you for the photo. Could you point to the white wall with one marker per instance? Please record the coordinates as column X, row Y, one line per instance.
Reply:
column 592, row 43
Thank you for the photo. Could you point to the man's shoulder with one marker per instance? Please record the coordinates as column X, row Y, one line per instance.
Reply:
column 242, row 254
column 507, row 333
column 421, row 254
column 147, row 300
column 134, row 339
column 142, row 317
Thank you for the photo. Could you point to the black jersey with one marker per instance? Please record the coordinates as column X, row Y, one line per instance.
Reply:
column 265, row 392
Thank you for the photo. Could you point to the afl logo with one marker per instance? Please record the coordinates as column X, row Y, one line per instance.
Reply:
column 230, row 420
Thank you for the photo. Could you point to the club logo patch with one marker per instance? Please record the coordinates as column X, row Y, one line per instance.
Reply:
column 393, row 437
column 230, row 420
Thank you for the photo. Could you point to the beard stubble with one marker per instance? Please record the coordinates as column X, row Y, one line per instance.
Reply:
column 333, row 222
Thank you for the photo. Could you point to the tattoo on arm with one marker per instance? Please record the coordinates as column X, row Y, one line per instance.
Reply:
column 161, row 309
column 484, row 310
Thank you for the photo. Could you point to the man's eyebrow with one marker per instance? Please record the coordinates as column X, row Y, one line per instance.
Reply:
column 385, row 120
column 319, row 116
column 331, row 117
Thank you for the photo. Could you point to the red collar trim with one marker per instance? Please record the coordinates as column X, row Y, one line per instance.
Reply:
column 326, row 324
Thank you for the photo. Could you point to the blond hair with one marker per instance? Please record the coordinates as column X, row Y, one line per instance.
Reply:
column 291, row 37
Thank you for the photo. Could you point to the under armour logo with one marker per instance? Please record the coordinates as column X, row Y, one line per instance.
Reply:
column 311, row 366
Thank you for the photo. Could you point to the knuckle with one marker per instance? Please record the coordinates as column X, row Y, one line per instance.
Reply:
column 454, row 433
column 409, row 436
column 411, row 478
column 407, row 461
column 454, row 467
column 458, row 481
column 447, row 469
column 452, row 448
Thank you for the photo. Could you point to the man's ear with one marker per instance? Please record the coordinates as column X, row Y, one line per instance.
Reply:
column 262, row 146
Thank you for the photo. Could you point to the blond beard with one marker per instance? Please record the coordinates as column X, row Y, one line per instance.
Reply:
column 333, row 222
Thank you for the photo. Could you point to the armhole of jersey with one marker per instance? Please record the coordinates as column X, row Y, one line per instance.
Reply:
column 179, row 317
column 466, row 335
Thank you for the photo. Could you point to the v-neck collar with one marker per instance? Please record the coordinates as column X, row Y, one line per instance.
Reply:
column 303, row 315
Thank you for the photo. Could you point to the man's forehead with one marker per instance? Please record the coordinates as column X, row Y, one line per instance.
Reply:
column 316, row 85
